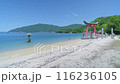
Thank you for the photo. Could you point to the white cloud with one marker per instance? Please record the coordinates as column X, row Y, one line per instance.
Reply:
column 75, row 14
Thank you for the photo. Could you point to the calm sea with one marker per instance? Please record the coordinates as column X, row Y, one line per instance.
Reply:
column 15, row 41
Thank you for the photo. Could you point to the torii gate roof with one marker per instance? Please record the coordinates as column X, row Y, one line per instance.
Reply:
column 90, row 23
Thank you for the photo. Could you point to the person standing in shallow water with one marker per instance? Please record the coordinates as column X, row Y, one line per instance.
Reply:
column 29, row 40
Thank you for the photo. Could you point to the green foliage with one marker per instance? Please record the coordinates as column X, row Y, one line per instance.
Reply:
column 103, row 22
column 44, row 28
column 72, row 26
column 109, row 22
column 60, row 31
column 37, row 28
column 76, row 30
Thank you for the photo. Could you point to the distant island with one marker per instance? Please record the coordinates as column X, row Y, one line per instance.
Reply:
column 103, row 22
column 44, row 28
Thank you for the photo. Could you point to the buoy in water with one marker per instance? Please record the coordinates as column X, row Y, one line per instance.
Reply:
column 29, row 40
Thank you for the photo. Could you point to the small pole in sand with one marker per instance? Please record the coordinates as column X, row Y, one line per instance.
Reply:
column 98, row 33
column 102, row 34
column 112, row 34
column 29, row 40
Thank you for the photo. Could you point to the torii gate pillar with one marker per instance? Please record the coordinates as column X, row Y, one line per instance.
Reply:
column 86, row 32
column 94, row 30
column 90, row 25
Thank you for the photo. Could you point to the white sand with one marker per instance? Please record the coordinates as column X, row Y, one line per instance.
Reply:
column 78, row 54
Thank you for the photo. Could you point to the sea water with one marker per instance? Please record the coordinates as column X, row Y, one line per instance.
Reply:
column 15, row 41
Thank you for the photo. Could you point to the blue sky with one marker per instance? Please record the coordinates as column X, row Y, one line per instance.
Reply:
column 18, row 13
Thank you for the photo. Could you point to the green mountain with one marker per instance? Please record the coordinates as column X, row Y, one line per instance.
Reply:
column 109, row 22
column 43, row 28
column 72, row 26
column 103, row 22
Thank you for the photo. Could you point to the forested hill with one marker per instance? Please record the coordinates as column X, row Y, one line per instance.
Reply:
column 103, row 22
column 72, row 26
column 43, row 28
column 109, row 22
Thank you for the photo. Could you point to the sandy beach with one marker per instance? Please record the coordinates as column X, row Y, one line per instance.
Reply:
column 90, row 53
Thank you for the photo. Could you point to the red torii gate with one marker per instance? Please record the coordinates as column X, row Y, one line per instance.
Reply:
column 90, row 25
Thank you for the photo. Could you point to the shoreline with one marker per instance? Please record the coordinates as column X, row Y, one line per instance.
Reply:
column 88, row 53
column 7, row 58
column 44, row 44
column 49, row 43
